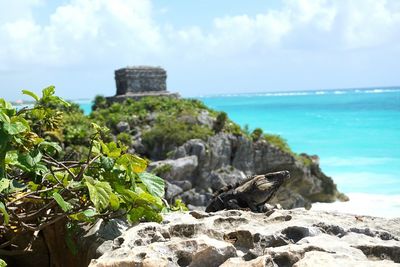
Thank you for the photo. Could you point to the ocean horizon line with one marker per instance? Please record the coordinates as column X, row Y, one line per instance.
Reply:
column 372, row 90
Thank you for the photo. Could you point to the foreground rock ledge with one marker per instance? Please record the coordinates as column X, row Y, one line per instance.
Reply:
column 242, row 238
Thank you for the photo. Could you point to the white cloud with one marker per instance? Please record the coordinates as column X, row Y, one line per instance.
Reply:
column 79, row 31
column 304, row 24
column 13, row 10
column 96, row 31
column 370, row 23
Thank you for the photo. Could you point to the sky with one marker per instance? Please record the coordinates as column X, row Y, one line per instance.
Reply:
column 207, row 47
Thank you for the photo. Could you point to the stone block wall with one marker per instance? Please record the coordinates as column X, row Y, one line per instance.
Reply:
column 141, row 79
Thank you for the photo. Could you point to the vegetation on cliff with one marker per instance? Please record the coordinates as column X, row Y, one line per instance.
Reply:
column 172, row 122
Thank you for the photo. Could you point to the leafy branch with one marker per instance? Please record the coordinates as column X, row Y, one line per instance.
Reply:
column 38, row 187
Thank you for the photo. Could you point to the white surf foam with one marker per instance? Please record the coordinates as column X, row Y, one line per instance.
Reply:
column 387, row 206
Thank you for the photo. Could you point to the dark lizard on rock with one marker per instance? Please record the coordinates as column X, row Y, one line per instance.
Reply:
column 251, row 194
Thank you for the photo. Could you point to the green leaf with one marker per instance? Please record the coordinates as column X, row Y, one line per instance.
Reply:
column 3, row 263
column 107, row 163
column 144, row 213
column 96, row 149
column 48, row 91
column 12, row 157
column 59, row 100
column 14, row 128
column 114, row 201
column 31, row 159
column 86, row 215
column 32, row 186
column 40, row 168
column 4, row 104
column 65, row 206
column 99, row 193
column 111, row 149
column 179, row 206
column 36, row 156
column 99, row 129
column 32, row 94
column 50, row 147
column 127, row 195
column 73, row 185
column 89, row 213
column 132, row 162
column 4, row 117
column 4, row 184
column 3, row 210
column 144, row 198
column 154, row 184
column 16, row 186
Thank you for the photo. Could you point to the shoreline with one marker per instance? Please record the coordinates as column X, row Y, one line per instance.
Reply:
column 364, row 204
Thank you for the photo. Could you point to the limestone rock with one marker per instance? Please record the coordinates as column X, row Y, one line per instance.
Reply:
column 225, row 158
column 242, row 238
column 224, row 176
column 179, row 169
column 205, row 119
column 172, row 190
column 196, row 198
column 123, row 126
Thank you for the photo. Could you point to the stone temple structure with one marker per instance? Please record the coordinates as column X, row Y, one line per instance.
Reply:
column 140, row 81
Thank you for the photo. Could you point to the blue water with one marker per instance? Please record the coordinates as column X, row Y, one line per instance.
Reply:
column 356, row 133
column 86, row 106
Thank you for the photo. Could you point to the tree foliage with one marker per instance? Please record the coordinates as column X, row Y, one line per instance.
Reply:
column 256, row 134
column 40, row 184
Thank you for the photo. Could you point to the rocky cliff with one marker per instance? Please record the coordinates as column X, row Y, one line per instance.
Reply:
column 240, row 238
column 198, row 151
column 198, row 168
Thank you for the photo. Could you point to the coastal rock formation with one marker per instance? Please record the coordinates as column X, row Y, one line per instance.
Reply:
column 226, row 159
column 140, row 81
column 242, row 238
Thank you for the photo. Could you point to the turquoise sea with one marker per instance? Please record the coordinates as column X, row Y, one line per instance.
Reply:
column 355, row 132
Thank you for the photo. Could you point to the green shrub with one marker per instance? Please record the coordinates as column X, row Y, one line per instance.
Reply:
column 233, row 128
column 100, row 102
column 279, row 142
column 256, row 134
column 168, row 133
column 125, row 138
column 220, row 122
column 135, row 111
column 305, row 159
column 108, row 182
column 76, row 129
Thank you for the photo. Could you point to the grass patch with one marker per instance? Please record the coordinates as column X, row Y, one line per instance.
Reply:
column 279, row 142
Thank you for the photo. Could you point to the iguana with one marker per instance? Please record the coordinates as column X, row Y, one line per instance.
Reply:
column 252, row 193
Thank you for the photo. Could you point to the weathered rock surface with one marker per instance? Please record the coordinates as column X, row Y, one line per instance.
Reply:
column 123, row 126
column 179, row 169
column 242, row 238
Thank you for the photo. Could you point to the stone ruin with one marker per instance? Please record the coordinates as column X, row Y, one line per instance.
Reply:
column 140, row 81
